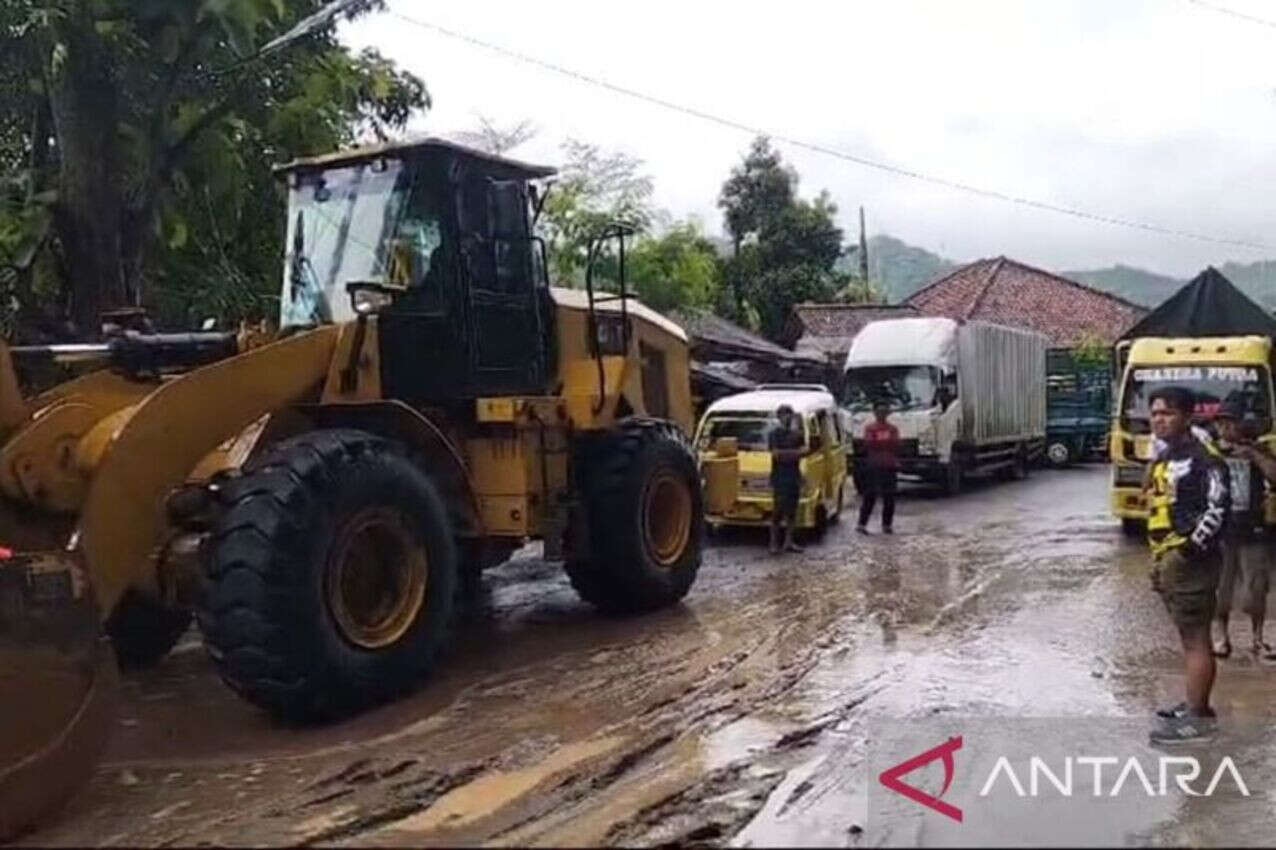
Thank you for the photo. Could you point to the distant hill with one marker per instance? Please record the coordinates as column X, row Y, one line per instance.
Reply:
column 898, row 268
column 1257, row 280
column 1141, row 287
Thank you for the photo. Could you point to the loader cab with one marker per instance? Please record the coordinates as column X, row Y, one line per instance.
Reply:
column 436, row 239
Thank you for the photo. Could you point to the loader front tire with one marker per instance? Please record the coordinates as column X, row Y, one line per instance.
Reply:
column 332, row 576
column 143, row 630
column 646, row 520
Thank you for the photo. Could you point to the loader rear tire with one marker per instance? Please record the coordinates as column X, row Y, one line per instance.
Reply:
column 143, row 631
column 646, row 520
column 332, row 577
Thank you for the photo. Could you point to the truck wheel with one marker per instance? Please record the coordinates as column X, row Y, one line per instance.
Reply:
column 646, row 521
column 953, row 477
column 1059, row 453
column 143, row 630
column 332, row 576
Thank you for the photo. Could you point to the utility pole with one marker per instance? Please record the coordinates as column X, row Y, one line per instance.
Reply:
column 863, row 251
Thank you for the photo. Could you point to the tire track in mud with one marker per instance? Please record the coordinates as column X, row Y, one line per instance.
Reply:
column 685, row 726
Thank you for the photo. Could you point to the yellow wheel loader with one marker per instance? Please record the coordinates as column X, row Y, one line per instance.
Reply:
column 429, row 404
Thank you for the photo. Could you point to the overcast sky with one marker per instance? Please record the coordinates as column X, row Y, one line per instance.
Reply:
column 1157, row 110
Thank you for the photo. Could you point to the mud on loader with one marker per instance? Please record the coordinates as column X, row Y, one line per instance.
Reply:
column 429, row 404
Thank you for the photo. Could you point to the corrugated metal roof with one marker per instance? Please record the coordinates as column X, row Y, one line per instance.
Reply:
column 715, row 331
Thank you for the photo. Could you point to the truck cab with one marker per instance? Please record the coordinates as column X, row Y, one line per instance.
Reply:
column 1214, row 369
column 968, row 398
column 740, row 425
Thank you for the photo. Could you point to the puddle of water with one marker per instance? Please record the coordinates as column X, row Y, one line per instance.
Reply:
column 738, row 740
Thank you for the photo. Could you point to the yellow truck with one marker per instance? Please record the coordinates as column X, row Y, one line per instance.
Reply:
column 737, row 426
column 1215, row 369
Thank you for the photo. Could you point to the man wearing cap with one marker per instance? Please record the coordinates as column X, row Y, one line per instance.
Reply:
column 787, row 445
column 1245, row 564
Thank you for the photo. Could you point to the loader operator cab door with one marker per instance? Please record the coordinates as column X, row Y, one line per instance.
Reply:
column 470, row 320
column 504, row 293
column 423, row 346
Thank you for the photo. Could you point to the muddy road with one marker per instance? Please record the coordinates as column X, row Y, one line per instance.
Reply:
column 740, row 718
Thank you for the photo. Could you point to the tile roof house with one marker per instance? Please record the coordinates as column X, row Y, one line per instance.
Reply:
column 1008, row 292
column 826, row 330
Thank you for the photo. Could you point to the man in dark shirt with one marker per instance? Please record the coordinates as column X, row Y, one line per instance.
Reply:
column 1244, row 555
column 787, row 445
column 881, row 441
column 1189, row 498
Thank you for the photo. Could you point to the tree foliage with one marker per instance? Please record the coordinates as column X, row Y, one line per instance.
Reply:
column 669, row 265
column 785, row 248
column 148, row 139
column 594, row 189
column 676, row 270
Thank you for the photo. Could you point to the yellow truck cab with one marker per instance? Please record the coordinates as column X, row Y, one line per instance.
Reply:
column 1214, row 368
column 739, row 425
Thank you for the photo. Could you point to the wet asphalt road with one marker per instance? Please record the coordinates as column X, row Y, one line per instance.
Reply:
column 744, row 717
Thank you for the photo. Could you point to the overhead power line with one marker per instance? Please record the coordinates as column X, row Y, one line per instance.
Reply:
column 846, row 156
column 1235, row 13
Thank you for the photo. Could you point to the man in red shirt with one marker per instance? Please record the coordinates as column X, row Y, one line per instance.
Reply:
column 881, row 439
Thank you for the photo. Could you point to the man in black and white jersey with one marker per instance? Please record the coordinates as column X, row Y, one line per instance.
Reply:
column 1189, row 495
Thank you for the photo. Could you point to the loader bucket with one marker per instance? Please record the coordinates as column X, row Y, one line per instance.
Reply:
column 57, row 686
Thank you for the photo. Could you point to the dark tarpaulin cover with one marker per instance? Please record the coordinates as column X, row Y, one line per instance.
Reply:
column 1208, row 306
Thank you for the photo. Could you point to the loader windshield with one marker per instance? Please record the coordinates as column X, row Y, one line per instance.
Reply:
column 362, row 222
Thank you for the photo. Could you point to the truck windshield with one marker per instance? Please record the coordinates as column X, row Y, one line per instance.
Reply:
column 749, row 430
column 1212, row 385
column 905, row 387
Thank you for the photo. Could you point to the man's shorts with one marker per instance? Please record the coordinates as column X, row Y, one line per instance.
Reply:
column 1187, row 585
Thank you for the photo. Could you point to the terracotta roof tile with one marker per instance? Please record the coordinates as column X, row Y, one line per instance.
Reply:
column 1008, row 292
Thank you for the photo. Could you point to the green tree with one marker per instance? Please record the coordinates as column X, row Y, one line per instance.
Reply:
column 785, row 248
column 594, row 189
column 1091, row 352
column 142, row 123
column 676, row 270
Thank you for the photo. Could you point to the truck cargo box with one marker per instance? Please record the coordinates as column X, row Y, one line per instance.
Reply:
column 1001, row 382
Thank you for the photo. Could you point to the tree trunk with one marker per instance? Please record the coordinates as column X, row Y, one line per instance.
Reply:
column 90, row 212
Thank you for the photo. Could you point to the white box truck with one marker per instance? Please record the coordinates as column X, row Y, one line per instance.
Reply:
column 968, row 398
